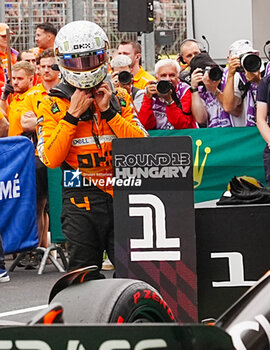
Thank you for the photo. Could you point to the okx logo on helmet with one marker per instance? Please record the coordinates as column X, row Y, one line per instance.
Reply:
column 81, row 49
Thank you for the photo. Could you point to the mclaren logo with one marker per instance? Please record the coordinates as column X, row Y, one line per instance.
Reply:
column 154, row 344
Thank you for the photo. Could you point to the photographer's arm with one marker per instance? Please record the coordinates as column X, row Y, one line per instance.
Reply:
column 198, row 109
column 212, row 86
column 231, row 103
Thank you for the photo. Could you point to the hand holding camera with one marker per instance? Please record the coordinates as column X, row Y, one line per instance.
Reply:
column 123, row 79
column 207, row 67
column 151, row 89
column 115, row 80
column 247, row 63
column 163, row 88
column 234, row 64
column 196, row 78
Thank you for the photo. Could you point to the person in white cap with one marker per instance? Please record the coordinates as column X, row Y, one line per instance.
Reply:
column 4, row 53
column 239, row 97
column 122, row 63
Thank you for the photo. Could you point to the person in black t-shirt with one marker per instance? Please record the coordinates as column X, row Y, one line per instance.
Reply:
column 263, row 121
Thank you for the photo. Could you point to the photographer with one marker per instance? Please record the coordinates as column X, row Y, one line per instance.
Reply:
column 76, row 125
column 207, row 85
column 244, row 75
column 167, row 103
column 122, row 77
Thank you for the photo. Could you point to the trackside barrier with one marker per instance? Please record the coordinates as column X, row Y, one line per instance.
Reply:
column 17, row 194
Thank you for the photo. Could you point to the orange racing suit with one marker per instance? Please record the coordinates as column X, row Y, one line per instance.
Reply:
column 85, row 145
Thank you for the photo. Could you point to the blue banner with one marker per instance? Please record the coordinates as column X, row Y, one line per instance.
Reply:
column 17, row 194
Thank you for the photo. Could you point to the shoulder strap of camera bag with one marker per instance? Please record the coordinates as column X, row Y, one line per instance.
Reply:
column 244, row 87
column 178, row 102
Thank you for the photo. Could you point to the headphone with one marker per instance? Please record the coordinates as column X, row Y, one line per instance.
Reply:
column 201, row 47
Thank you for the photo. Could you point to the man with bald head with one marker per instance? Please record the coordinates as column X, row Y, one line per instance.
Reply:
column 188, row 49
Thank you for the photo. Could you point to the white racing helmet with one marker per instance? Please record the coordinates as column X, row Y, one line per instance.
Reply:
column 81, row 49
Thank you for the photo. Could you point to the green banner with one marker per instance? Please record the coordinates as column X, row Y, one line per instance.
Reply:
column 219, row 154
column 55, row 204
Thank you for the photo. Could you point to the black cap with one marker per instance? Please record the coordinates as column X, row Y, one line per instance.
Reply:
column 201, row 60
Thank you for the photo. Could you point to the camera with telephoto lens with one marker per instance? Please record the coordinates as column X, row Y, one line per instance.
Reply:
column 125, row 77
column 250, row 62
column 164, row 86
column 206, row 64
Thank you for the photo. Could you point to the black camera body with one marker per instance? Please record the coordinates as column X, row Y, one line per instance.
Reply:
column 125, row 77
column 164, row 86
column 215, row 73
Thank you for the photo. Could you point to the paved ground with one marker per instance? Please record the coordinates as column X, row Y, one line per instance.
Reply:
column 27, row 290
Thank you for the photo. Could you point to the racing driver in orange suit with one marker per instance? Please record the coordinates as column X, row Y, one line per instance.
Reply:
column 76, row 125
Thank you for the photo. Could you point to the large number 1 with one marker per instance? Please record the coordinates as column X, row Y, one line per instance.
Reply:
column 152, row 209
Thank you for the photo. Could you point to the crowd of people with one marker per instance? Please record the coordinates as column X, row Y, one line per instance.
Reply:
column 73, row 87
